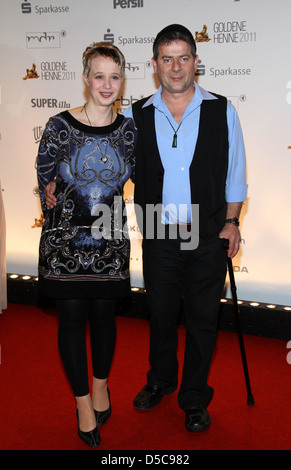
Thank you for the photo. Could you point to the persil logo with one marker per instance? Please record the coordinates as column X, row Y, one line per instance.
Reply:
column 128, row 3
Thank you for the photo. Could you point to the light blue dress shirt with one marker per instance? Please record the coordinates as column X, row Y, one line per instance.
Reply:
column 176, row 161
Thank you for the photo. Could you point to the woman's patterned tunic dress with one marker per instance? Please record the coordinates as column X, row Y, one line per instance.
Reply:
column 84, row 246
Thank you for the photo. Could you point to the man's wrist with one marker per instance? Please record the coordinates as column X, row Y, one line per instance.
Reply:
column 232, row 220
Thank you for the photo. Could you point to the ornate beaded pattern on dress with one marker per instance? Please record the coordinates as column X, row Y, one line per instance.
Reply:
column 90, row 167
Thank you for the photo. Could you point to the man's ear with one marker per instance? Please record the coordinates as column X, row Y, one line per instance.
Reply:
column 196, row 62
column 154, row 65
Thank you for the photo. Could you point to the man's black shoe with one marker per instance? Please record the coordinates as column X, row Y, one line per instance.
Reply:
column 197, row 420
column 149, row 397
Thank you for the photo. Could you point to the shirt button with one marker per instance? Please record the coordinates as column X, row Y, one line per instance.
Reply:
column 182, row 169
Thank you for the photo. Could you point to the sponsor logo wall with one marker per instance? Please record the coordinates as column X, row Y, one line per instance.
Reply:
column 244, row 54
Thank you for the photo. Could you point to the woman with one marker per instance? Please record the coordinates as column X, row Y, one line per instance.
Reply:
column 89, row 152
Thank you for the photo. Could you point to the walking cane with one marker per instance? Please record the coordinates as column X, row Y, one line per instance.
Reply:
column 250, row 398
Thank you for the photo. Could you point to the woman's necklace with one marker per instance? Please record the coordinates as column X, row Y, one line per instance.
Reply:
column 84, row 107
column 104, row 157
column 174, row 143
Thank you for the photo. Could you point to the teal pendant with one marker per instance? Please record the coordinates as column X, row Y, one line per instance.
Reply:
column 174, row 144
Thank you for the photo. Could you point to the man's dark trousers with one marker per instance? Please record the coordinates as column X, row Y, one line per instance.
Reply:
column 196, row 277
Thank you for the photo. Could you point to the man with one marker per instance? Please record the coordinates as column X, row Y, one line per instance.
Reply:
column 190, row 153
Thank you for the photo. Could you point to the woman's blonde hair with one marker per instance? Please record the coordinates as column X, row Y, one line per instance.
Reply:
column 104, row 49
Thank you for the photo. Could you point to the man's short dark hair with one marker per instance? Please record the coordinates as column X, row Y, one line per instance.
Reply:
column 173, row 32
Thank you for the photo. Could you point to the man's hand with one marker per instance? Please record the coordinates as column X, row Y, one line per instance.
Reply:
column 231, row 233
column 50, row 199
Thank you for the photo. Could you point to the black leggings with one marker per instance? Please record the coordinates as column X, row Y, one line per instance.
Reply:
column 73, row 317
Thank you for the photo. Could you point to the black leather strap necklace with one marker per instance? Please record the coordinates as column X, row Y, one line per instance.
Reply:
column 174, row 143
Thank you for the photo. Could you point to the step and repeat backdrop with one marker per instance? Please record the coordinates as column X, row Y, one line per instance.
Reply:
column 244, row 49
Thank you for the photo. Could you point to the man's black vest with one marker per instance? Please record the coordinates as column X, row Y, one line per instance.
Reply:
column 208, row 169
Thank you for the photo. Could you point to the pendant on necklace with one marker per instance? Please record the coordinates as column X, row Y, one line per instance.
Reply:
column 104, row 159
column 174, row 143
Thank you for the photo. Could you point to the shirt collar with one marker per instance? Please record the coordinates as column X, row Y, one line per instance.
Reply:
column 199, row 95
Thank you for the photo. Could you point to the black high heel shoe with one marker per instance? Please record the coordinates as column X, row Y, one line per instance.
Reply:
column 102, row 416
column 91, row 438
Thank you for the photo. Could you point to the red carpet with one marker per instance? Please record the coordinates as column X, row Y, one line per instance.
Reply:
column 38, row 409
